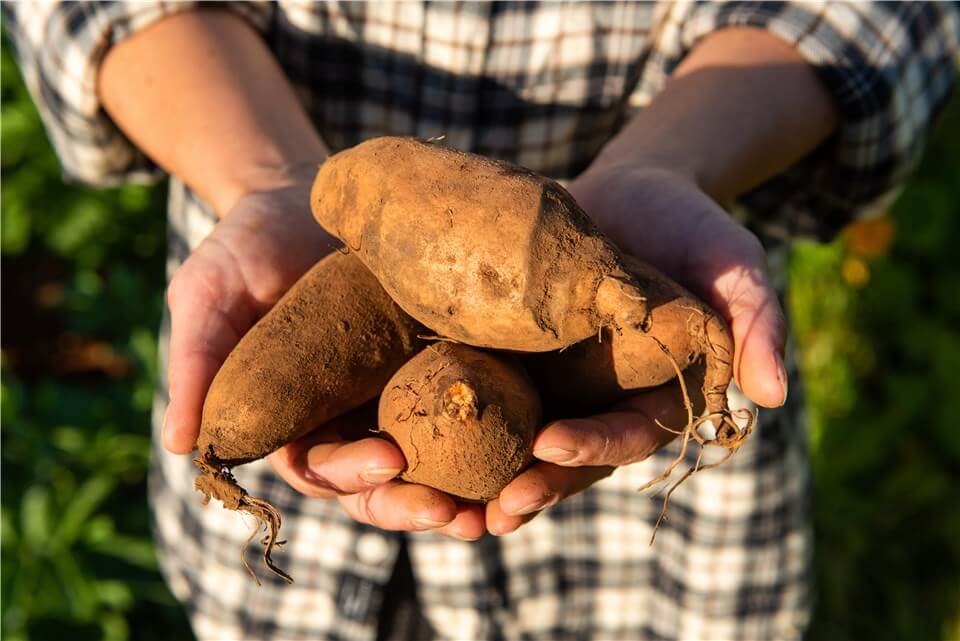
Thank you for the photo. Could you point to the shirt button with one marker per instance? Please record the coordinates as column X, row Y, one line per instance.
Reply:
column 372, row 548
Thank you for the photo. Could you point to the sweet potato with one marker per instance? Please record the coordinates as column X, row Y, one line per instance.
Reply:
column 464, row 419
column 493, row 255
column 593, row 374
column 590, row 376
column 328, row 346
column 480, row 251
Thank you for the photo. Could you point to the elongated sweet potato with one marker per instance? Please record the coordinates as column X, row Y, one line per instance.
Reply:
column 493, row 255
column 591, row 375
column 328, row 346
column 464, row 419
column 480, row 251
column 688, row 343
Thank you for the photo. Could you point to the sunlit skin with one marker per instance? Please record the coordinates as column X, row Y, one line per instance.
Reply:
column 742, row 107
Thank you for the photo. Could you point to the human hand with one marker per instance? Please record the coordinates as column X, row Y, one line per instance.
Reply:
column 663, row 217
column 260, row 248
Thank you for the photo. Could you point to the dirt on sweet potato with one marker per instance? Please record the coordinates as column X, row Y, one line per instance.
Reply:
column 464, row 419
column 328, row 346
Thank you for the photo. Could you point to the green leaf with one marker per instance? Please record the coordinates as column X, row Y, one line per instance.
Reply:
column 114, row 594
column 139, row 552
column 36, row 517
column 8, row 531
column 77, row 585
column 81, row 507
column 114, row 628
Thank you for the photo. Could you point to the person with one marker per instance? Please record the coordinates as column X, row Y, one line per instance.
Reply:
column 700, row 137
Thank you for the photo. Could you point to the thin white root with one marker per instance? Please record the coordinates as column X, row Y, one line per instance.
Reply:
column 728, row 434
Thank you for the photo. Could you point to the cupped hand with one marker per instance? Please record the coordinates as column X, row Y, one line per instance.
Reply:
column 251, row 258
column 664, row 218
column 343, row 460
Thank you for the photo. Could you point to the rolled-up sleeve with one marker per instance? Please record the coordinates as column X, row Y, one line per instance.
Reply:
column 59, row 47
column 889, row 68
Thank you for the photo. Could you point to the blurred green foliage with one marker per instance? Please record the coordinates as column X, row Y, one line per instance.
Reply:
column 83, row 272
column 876, row 315
column 876, row 327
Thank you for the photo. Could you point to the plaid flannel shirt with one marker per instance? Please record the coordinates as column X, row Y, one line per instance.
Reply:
column 544, row 85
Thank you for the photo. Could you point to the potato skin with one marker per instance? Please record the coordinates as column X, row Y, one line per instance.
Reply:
column 481, row 251
column 328, row 346
column 464, row 419
column 594, row 373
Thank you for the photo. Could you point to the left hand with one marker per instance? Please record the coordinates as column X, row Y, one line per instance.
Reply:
column 664, row 218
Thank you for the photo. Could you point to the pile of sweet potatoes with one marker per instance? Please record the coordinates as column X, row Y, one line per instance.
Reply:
column 474, row 297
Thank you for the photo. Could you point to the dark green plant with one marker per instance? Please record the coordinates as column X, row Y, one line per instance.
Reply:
column 880, row 349
column 82, row 297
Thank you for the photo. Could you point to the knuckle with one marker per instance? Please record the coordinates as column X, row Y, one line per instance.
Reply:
column 175, row 289
column 185, row 286
column 606, row 446
column 753, row 248
column 194, row 282
column 606, row 449
column 349, row 505
column 320, row 493
column 364, row 503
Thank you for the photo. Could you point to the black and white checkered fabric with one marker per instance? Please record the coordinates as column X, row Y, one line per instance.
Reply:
column 544, row 85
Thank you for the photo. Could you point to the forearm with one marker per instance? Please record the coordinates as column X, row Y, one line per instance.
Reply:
column 741, row 108
column 202, row 95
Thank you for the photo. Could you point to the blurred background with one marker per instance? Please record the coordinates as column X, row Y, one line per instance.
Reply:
column 876, row 316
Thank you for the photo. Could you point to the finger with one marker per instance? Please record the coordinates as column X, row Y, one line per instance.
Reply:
column 633, row 430
column 734, row 271
column 759, row 334
column 468, row 525
column 543, row 484
column 401, row 506
column 615, row 438
column 326, row 469
column 202, row 335
column 619, row 437
column 500, row 523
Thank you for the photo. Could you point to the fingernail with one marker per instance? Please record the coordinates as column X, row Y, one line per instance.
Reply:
column 464, row 538
column 536, row 506
column 425, row 523
column 380, row 475
column 555, row 454
column 782, row 376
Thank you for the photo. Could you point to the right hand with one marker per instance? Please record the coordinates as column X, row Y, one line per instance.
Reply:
column 253, row 256
column 664, row 217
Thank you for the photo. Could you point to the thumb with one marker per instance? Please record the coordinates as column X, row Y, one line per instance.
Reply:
column 206, row 323
column 743, row 293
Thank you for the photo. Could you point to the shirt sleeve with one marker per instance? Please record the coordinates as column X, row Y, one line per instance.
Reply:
column 59, row 47
column 888, row 66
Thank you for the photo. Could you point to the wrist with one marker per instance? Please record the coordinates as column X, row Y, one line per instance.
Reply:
column 650, row 152
column 611, row 175
column 278, row 172
column 611, row 164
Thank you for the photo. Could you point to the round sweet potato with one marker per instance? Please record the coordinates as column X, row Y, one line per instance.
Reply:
column 464, row 419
